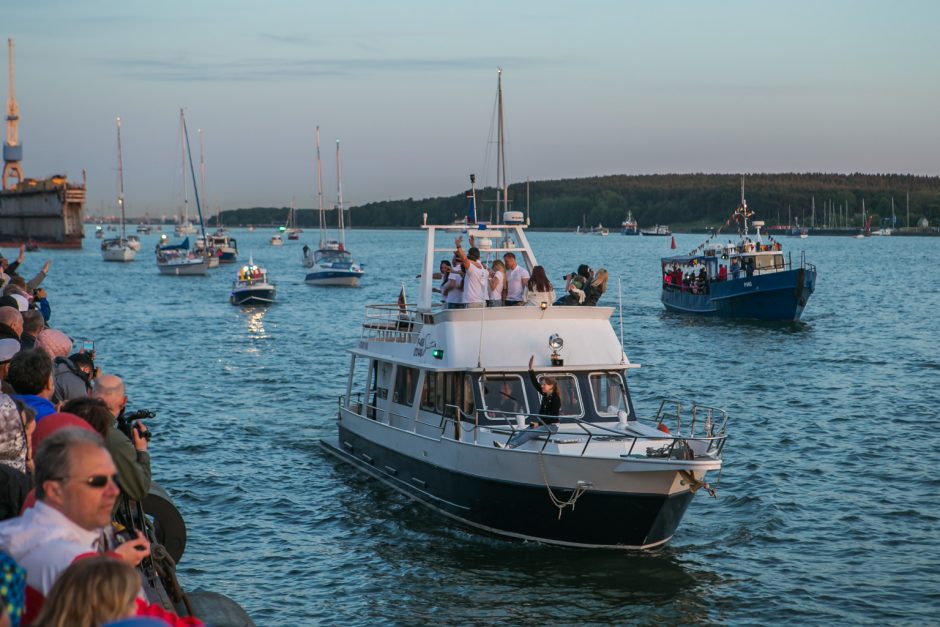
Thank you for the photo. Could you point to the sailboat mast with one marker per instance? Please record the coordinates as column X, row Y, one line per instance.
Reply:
column 320, row 194
column 202, row 168
column 121, row 180
column 339, row 197
column 501, row 148
column 183, row 167
column 192, row 169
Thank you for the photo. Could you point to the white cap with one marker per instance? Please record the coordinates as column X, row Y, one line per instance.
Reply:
column 8, row 348
column 21, row 301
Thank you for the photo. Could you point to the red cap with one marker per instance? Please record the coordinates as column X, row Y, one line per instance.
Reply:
column 48, row 425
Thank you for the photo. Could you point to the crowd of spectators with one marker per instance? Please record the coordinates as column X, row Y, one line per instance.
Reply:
column 71, row 554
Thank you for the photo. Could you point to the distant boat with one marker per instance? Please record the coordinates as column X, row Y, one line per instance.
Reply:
column 144, row 229
column 629, row 226
column 331, row 263
column 133, row 242
column 277, row 241
column 660, row 230
column 293, row 233
column 601, row 230
column 748, row 280
column 251, row 286
column 118, row 249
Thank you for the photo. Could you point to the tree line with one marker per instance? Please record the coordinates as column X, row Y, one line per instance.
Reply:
column 683, row 201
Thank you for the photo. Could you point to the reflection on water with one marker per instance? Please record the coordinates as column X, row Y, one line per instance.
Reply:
column 255, row 318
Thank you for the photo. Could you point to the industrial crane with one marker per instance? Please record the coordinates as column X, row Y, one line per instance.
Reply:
column 12, row 149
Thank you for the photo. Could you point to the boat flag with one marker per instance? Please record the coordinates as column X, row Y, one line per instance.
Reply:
column 471, row 208
column 673, row 242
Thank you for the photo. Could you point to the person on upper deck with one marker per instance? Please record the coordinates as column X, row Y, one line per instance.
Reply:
column 496, row 282
column 539, row 290
column 596, row 288
column 453, row 288
column 517, row 278
column 475, row 289
column 549, row 408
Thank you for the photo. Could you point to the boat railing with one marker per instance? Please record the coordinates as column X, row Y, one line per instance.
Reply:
column 706, row 426
column 391, row 323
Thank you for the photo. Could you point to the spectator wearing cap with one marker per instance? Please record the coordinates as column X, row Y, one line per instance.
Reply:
column 31, row 377
column 8, row 348
column 11, row 320
column 72, row 377
column 33, row 324
column 75, row 493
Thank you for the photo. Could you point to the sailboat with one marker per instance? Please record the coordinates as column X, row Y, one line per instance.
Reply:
column 183, row 225
column 178, row 259
column 117, row 249
column 331, row 263
column 293, row 232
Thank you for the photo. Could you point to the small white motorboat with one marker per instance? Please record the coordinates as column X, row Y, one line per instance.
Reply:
column 251, row 287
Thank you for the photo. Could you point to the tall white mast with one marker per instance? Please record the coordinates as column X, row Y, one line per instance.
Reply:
column 501, row 149
column 320, row 194
column 183, row 167
column 339, row 197
column 121, row 182
column 202, row 171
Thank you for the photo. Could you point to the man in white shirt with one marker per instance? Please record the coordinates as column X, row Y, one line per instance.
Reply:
column 475, row 275
column 75, row 493
column 517, row 278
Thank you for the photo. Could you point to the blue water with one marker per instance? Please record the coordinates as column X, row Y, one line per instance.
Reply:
column 826, row 513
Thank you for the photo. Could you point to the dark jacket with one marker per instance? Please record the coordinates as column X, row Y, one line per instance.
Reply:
column 133, row 466
column 14, row 486
column 551, row 403
column 70, row 382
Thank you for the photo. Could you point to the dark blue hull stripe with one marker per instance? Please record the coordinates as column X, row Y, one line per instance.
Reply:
column 600, row 519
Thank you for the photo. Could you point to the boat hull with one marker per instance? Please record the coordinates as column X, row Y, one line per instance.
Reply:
column 228, row 256
column 197, row 268
column 118, row 254
column 599, row 520
column 774, row 296
column 253, row 296
column 342, row 278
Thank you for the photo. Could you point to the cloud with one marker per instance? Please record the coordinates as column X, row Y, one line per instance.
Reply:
column 269, row 68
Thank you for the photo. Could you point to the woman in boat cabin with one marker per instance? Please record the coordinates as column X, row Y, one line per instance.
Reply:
column 549, row 408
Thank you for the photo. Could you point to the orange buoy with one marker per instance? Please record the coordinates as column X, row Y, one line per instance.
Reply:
column 663, row 428
column 673, row 242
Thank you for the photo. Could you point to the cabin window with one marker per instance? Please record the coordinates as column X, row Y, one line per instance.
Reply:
column 406, row 381
column 503, row 396
column 608, row 391
column 766, row 262
column 569, row 394
column 432, row 397
column 358, row 389
column 455, row 392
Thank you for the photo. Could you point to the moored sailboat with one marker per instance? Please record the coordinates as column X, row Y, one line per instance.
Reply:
column 331, row 264
column 119, row 249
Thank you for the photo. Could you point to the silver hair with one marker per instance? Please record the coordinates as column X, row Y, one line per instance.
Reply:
column 53, row 459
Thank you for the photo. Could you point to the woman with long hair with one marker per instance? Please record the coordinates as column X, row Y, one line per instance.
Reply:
column 596, row 288
column 91, row 592
column 539, row 290
column 497, row 283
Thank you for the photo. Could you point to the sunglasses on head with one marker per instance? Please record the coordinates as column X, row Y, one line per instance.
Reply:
column 96, row 481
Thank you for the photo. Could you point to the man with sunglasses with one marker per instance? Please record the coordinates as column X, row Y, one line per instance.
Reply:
column 76, row 486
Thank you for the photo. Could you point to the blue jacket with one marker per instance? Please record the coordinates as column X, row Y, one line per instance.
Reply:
column 43, row 407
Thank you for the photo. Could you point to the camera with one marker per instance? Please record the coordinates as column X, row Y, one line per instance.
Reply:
column 128, row 422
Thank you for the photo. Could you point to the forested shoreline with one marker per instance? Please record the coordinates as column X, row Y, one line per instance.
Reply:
column 683, row 201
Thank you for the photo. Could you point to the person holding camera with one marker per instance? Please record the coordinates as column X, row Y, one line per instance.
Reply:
column 110, row 389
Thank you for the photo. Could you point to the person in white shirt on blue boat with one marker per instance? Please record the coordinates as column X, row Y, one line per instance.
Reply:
column 517, row 278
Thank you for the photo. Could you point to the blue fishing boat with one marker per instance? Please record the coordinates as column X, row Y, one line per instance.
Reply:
column 750, row 279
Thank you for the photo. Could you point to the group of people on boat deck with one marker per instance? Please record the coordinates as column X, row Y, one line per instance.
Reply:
column 466, row 282
column 675, row 278
column 63, row 468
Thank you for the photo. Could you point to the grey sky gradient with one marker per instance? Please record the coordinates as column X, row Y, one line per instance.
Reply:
column 591, row 88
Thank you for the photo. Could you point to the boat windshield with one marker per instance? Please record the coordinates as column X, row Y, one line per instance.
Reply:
column 608, row 391
column 504, row 395
column 333, row 256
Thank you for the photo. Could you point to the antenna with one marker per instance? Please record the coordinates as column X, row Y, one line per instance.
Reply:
column 121, row 182
column 12, row 149
column 623, row 352
column 339, row 196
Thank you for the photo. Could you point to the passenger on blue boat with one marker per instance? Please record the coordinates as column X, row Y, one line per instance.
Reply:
column 475, row 289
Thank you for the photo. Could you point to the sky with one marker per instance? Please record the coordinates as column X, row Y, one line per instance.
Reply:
column 408, row 87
